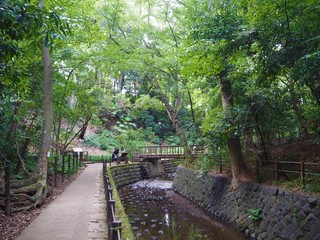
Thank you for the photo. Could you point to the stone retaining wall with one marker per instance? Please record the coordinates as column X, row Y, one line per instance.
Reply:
column 125, row 174
column 170, row 166
column 284, row 215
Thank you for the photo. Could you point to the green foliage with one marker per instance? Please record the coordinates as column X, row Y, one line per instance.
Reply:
column 132, row 67
column 99, row 158
column 207, row 163
column 194, row 234
column 312, row 114
column 255, row 214
column 145, row 102
column 30, row 165
column 105, row 138
column 173, row 140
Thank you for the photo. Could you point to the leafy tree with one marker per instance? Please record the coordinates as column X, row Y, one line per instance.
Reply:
column 215, row 38
column 45, row 25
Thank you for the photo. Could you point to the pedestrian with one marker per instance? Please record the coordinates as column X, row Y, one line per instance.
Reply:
column 115, row 154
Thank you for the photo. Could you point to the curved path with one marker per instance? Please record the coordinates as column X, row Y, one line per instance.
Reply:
column 78, row 213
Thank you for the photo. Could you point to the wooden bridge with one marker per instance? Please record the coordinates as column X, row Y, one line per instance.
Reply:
column 160, row 152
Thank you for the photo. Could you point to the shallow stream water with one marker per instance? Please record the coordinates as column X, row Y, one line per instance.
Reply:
column 156, row 212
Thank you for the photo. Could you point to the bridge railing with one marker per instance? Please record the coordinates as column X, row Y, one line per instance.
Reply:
column 160, row 150
column 163, row 151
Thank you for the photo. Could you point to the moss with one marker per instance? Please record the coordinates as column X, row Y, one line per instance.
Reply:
column 120, row 213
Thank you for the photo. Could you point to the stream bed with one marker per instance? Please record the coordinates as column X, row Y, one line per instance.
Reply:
column 156, row 212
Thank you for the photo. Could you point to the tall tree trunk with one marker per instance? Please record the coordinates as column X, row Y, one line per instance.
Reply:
column 42, row 165
column 239, row 168
column 31, row 192
column 173, row 116
column 41, row 171
column 121, row 82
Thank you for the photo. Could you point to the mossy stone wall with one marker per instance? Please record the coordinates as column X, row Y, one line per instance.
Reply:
column 284, row 215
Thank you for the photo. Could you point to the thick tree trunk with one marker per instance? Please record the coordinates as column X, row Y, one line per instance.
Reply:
column 42, row 164
column 179, row 130
column 240, row 170
column 31, row 192
column 47, row 113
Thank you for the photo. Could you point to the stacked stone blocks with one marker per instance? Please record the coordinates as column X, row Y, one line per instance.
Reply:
column 284, row 215
column 130, row 173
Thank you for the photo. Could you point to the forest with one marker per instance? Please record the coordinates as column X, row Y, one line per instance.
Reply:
column 240, row 77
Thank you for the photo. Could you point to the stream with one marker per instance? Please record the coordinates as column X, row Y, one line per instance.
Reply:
column 156, row 212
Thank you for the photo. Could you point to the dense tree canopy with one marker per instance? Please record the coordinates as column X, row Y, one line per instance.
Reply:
column 235, row 75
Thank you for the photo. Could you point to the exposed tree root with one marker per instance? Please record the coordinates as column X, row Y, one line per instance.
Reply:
column 27, row 194
column 25, row 182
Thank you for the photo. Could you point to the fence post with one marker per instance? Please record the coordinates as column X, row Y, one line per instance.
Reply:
column 302, row 172
column 55, row 171
column 111, row 206
column 276, row 170
column 257, row 169
column 110, row 193
column 62, row 173
column 73, row 161
column 69, row 165
column 7, row 189
column 77, row 161
column 81, row 159
column 116, row 228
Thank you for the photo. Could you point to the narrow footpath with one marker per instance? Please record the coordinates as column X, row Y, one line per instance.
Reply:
column 78, row 213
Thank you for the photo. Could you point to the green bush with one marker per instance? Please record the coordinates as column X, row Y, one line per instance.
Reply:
column 103, row 146
column 102, row 140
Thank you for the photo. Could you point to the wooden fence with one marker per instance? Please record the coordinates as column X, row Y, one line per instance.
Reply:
column 69, row 163
column 7, row 189
column 276, row 170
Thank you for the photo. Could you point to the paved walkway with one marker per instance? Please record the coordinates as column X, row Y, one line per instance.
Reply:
column 77, row 214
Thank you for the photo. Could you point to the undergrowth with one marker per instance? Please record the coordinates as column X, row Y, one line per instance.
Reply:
column 309, row 185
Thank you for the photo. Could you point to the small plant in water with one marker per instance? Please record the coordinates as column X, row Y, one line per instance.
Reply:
column 195, row 235
column 255, row 214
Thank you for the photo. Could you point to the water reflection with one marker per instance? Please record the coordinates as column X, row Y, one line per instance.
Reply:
column 167, row 219
column 162, row 214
